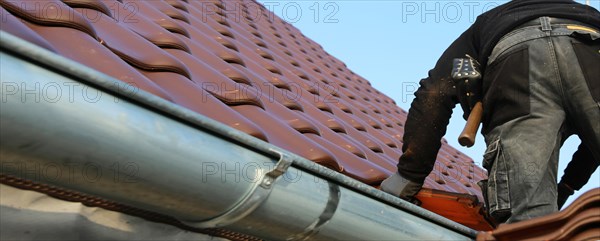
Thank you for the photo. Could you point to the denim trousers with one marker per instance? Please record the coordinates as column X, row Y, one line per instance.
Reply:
column 542, row 86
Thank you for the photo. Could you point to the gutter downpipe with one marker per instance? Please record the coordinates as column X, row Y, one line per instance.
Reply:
column 140, row 150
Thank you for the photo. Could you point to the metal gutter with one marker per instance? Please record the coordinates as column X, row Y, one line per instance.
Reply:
column 65, row 124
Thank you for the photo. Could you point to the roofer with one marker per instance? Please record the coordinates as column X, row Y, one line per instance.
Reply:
column 540, row 83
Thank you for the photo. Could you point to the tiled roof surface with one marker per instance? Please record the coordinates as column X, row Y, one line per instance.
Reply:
column 250, row 70
column 580, row 221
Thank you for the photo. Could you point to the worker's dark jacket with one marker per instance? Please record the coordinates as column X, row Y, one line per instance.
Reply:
column 430, row 111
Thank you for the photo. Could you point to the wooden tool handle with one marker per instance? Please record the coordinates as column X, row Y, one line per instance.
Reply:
column 467, row 137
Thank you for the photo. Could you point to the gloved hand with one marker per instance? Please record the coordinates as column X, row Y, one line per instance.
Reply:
column 564, row 191
column 402, row 187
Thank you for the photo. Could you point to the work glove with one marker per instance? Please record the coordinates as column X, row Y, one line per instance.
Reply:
column 402, row 188
column 564, row 192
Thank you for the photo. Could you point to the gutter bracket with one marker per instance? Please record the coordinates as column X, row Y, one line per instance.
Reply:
column 252, row 200
column 280, row 168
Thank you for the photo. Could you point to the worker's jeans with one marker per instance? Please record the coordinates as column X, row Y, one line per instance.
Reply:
column 537, row 95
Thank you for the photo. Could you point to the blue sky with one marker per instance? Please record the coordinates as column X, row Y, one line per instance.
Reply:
column 394, row 43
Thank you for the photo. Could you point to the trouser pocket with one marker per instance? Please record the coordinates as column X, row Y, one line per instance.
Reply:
column 496, row 188
column 506, row 87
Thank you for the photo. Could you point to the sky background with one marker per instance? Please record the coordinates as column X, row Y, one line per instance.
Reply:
column 393, row 44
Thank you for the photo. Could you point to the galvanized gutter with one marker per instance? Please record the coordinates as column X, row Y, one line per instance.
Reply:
column 106, row 140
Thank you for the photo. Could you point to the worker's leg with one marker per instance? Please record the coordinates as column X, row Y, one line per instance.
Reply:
column 578, row 59
column 522, row 153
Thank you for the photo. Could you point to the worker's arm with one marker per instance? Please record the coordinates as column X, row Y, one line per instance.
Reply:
column 430, row 112
column 426, row 123
column 425, row 126
column 577, row 173
column 428, row 119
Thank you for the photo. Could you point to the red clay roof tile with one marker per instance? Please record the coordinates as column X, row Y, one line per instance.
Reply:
column 50, row 13
column 577, row 222
column 20, row 30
